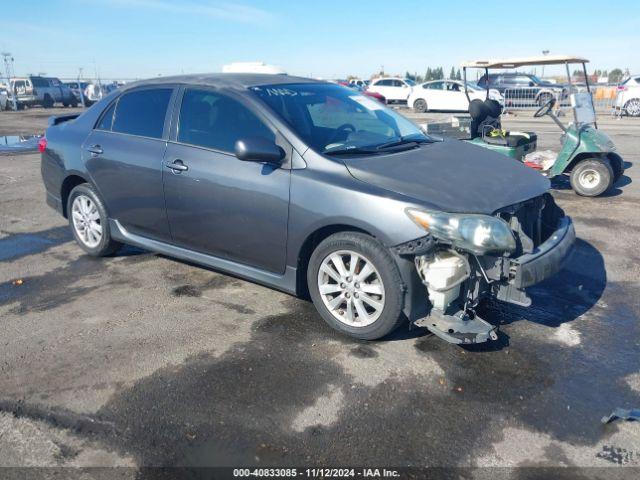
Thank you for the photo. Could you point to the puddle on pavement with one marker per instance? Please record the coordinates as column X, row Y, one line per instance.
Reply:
column 19, row 143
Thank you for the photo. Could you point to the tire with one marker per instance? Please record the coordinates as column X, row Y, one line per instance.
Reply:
column 617, row 165
column 592, row 177
column 632, row 107
column 420, row 106
column 383, row 286
column 47, row 101
column 543, row 98
column 94, row 213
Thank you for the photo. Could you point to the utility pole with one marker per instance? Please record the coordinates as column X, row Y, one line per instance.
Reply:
column 80, row 87
column 8, row 69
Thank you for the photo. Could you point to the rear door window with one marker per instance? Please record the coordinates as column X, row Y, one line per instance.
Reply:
column 212, row 120
column 107, row 118
column 142, row 112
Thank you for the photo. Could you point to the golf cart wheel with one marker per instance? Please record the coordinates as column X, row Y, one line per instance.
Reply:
column 544, row 98
column 420, row 106
column 592, row 177
column 632, row 107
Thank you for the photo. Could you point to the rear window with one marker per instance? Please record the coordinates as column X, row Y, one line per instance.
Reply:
column 142, row 112
column 39, row 82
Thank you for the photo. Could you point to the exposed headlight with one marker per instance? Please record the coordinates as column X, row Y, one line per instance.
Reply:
column 478, row 234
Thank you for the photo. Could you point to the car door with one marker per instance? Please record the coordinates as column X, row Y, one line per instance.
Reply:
column 123, row 155
column 399, row 91
column 456, row 100
column 382, row 87
column 434, row 93
column 216, row 203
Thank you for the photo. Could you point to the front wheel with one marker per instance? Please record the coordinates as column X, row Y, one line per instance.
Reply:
column 89, row 222
column 632, row 107
column 592, row 177
column 420, row 105
column 356, row 286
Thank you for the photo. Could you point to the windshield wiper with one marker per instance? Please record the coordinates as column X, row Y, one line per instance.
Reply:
column 351, row 150
column 402, row 141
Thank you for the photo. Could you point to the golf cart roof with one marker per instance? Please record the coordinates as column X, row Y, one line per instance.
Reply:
column 523, row 61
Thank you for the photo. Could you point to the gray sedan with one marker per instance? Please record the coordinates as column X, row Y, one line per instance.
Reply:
column 310, row 188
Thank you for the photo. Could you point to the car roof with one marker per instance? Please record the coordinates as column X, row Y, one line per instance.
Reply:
column 239, row 81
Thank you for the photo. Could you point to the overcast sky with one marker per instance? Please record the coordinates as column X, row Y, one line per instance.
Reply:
column 322, row 38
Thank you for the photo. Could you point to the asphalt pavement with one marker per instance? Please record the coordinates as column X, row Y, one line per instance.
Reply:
column 142, row 360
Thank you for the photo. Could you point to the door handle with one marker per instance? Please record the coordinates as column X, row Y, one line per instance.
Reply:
column 177, row 166
column 95, row 150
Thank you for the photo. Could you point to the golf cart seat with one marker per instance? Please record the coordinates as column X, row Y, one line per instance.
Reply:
column 485, row 124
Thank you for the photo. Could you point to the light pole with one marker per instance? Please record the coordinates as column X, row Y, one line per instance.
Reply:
column 8, row 69
column 80, row 87
column 545, row 53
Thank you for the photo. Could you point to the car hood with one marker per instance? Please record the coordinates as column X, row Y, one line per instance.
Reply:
column 451, row 176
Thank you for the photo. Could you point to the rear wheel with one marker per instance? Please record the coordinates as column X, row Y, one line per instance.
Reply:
column 420, row 105
column 592, row 177
column 47, row 102
column 632, row 107
column 355, row 285
column 89, row 222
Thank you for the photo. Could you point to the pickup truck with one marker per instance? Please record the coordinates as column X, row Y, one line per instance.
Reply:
column 45, row 91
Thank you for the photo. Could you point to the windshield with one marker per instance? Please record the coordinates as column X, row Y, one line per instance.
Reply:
column 535, row 79
column 409, row 82
column 331, row 118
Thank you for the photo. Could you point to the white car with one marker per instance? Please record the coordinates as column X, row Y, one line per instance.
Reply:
column 628, row 97
column 447, row 95
column 393, row 89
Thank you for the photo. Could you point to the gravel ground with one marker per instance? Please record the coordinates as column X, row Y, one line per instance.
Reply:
column 141, row 360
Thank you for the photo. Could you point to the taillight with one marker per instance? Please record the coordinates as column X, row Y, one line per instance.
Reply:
column 622, row 88
column 42, row 144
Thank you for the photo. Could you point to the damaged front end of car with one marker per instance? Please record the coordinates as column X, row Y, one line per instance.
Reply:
column 466, row 258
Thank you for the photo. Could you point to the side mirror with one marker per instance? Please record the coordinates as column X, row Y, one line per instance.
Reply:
column 258, row 149
column 531, row 84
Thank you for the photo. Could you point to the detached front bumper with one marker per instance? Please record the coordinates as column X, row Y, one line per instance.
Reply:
column 546, row 260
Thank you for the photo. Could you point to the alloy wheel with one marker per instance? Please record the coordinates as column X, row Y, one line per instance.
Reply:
column 86, row 221
column 351, row 288
column 633, row 107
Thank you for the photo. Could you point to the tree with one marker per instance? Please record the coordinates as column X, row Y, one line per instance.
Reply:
column 452, row 74
column 615, row 75
column 458, row 75
column 429, row 75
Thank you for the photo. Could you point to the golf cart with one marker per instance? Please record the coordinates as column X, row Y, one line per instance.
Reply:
column 587, row 155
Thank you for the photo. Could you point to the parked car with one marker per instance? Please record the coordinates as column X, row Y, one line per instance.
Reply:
column 628, row 96
column 304, row 187
column 363, row 91
column 447, row 95
column 90, row 91
column 393, row 89
column 523, row 89
column 359, row 83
